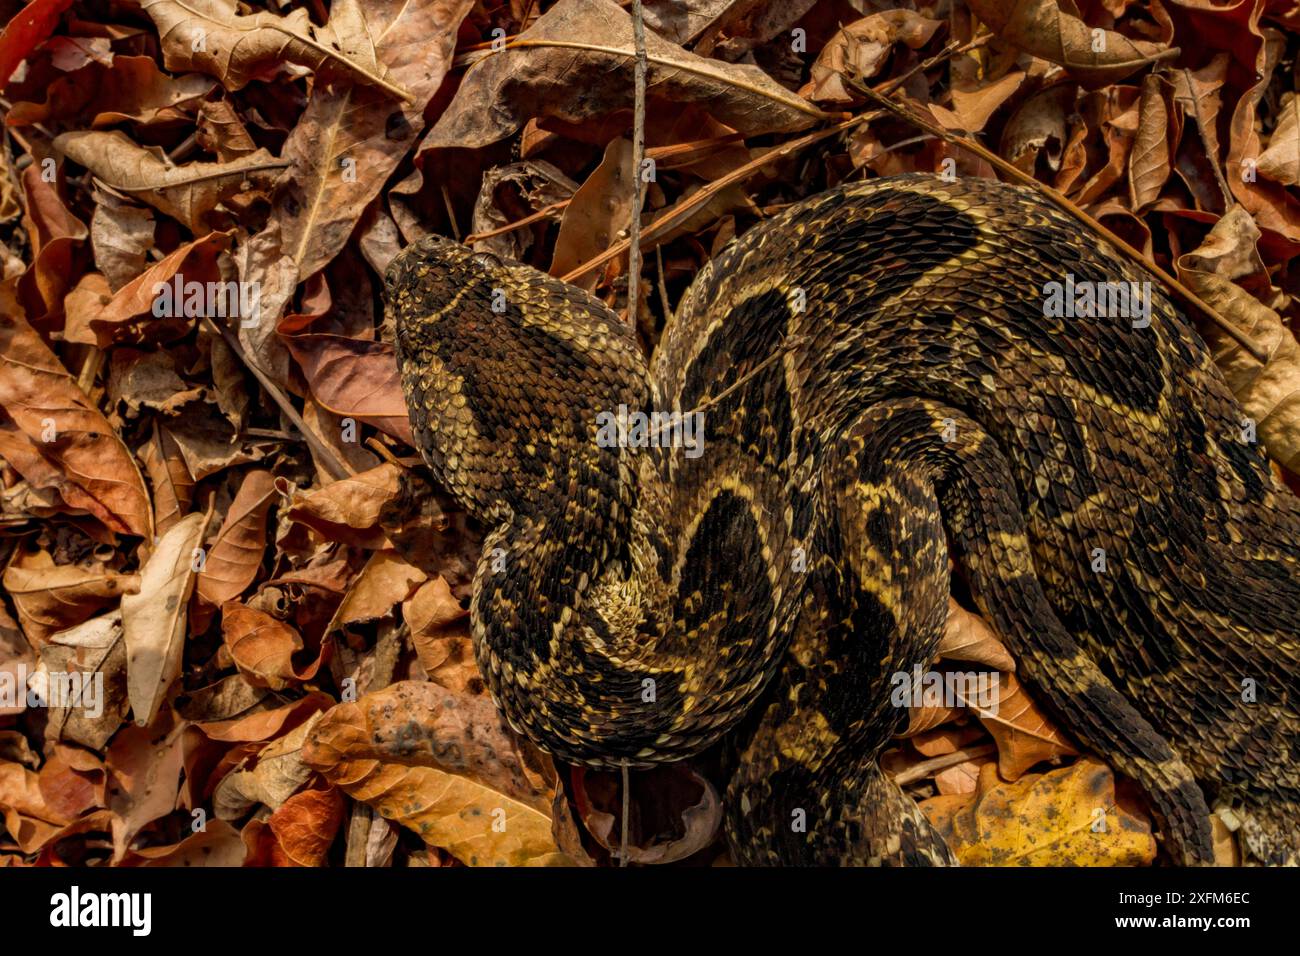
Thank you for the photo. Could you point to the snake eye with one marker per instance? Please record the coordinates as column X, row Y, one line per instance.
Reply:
column 485, row 260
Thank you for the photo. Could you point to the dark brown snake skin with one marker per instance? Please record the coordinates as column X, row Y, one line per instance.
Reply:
column 881, row 394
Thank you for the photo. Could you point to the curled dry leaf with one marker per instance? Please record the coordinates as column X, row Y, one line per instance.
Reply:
column 187, row 193
column 1156, row 143
column 1068, row 817
column 967, row 638
column 1269, row 392
column 443, row 765
column 860, row 49
column 30, row 820
column 263, row 647
column 130, row 317
column 575, row 63
column 60, row 440
column 50, row 598
column 674, row 812
column 1042, row 28
column 1023, row 733
column 1281, row 161
column 1038, row 127
column 26, row 31
column 211, row 36
column 279, row 774
column 170, row 479
column 236, row 554
column 154, row 619
column 348, row 510
column 95, row 649
column 56, row 235
column 129, row 88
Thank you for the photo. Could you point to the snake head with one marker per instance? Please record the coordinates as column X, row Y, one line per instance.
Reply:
column 505, row 370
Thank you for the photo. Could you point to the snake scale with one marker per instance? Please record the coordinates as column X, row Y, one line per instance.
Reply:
column 885, row 405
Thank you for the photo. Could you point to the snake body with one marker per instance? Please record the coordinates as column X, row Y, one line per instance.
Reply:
column 884, row 403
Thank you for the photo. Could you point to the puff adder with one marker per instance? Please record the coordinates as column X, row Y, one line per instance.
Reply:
column 883, row 400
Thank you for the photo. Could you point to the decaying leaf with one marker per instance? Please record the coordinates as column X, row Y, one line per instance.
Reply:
column 1044, row 29
column 187, row 193
column 574, row 63
column 212, row 36
column 444, row 766
column 1068, row 817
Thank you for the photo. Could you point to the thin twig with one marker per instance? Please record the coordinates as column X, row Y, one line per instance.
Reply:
column 926, row 767
column 700, row 197
column 451, row 212
column 337, row 469
column 1187, row 295
column 1205, row 140
column 518, row 223
column 638, row 157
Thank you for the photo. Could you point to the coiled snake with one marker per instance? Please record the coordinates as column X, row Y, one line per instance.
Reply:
column 883, row 399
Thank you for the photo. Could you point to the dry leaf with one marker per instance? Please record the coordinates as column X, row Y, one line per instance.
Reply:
column 860, row 49
column 1269, row 393
column 574, row 63
column 383, row 583
column 349, row 510
column 235, row 556
column 444, row 766
column 187, row 193
column 364, row 132
column 173, row 487
column 96, row 650
column 154, row 619
column 1023, row 733
column 1156, row 143
column 1068, row 817
column 50, row 598
column 279, row 774
column 1281, row 161
column 263, row 647
column 211, row 36
column 967, row 638
column 144, row 767
column 59, row 439
column 1042, row 28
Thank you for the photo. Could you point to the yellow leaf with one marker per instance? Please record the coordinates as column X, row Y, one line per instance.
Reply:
column 1068, row 817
